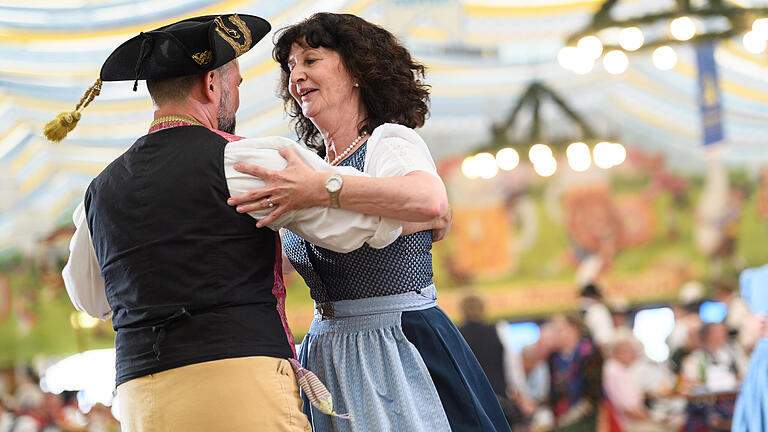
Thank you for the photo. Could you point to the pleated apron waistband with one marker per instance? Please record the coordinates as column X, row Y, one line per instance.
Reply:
column 410, row 301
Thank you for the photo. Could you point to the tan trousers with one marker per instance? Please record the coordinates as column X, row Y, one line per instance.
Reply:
column 238, row 394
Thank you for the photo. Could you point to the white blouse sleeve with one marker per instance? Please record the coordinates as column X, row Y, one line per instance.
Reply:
column 395, row 150
column 82, row 274
column 336, row 229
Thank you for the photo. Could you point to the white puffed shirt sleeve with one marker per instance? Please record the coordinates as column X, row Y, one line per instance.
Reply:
column 82, row 274
column 335, row 229
column 395, row 150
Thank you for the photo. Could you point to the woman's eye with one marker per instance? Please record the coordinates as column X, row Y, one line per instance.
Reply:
column 309, row 61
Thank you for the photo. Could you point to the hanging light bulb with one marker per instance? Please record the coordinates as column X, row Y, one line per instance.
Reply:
column 754, row 43
column 603, row 154
column 664, row 57
column 568, row 57
column 539, row 152
column 578, row 156
column 486, row 165
column 631, row 38
column 468, row 168
column 590, row 46
column 507, row 159
column 682, row 28
column 546, row 166
column 615, row 62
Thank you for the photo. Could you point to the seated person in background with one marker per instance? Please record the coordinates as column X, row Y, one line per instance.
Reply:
column 654, row 379
column 575, row 369
column 622, row 390
column 718, row 363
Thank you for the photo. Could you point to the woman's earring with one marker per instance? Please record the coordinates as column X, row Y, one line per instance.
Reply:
column 357, row 85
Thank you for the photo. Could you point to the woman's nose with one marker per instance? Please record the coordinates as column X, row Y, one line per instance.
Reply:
column 297, row 75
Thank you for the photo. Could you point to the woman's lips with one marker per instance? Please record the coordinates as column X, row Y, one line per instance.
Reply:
column 306, row 93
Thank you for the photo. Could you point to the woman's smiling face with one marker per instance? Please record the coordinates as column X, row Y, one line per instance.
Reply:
column 319, row 81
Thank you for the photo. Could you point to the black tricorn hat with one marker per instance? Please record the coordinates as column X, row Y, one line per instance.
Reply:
column 188, row 47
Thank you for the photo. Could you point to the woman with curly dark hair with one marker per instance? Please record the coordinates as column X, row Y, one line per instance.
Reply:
column 390, row 357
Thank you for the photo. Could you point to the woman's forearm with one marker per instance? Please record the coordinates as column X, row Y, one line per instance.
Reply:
column 415, row 197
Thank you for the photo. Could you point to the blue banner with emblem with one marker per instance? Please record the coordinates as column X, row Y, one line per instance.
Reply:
column 709, row 94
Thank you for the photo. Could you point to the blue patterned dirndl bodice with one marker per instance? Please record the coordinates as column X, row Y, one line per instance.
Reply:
column 403, row 266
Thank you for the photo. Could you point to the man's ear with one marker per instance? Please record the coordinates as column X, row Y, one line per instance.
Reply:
column 209, row 85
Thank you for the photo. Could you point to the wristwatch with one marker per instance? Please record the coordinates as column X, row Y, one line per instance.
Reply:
column 333, row 186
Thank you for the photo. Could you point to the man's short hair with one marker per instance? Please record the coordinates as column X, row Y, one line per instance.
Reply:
column 169, row 90
column 177, row 89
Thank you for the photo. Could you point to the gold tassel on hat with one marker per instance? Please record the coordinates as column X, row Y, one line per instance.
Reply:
column 58, row 128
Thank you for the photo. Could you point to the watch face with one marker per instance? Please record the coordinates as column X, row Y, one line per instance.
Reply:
column 333, row 184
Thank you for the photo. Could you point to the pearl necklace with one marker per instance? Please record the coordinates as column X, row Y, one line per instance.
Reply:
column 343, row 154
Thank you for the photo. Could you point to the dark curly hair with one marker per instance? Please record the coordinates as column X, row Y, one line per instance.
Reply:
column 390, row 80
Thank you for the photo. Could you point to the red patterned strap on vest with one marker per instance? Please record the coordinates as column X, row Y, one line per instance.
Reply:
column 278, row 290
column 227, row 136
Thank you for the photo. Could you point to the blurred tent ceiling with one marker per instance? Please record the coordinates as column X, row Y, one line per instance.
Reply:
column 481, row 55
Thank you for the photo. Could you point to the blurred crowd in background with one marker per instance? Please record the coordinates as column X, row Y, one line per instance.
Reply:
column 585, row 371
column 588, row 371
column 25, row 407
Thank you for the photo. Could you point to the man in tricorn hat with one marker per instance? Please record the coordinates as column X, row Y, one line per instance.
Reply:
column 194, row 289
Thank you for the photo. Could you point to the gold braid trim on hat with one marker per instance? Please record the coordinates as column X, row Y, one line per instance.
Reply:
column 202, row 58
column 230, row 35
column 58, row 128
